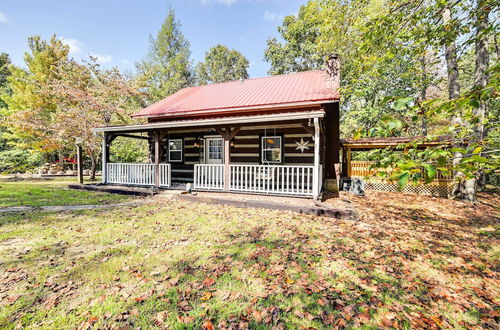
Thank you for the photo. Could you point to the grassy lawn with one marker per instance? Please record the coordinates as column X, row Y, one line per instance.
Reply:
column 409, row 262
column 50, row 192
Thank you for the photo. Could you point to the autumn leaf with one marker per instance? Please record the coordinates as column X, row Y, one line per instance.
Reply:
column 206, row 296
column 364, row 317
column 208, row 281
column 323, row 301
column 185, row 319
column 207, row 325
column 160, row 318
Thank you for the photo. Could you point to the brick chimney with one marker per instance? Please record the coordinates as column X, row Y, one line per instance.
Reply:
column 333, row 70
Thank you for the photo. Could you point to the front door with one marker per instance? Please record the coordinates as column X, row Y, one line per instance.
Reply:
column 214, row 148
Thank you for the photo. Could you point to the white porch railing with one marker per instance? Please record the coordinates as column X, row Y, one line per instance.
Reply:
column 165, row 175
column 137, row 174
column 273, row 179
column 131, row 173
column 209, row 176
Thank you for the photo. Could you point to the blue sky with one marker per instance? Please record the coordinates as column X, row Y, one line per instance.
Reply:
column 117, row 31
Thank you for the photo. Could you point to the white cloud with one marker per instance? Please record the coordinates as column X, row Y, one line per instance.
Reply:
column 102, row 58
column 224, row 2
column 271, row 17
column 75, row 46
column 3, row 18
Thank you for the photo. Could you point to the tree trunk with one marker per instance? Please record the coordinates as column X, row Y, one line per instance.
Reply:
column 481, row 76
column 462, row 188
column 423, row 94
column 93, row 167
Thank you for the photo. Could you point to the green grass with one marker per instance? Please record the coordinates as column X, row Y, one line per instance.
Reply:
column 180, row 265
column 50, row 193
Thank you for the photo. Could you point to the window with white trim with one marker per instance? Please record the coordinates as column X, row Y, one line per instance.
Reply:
column 271, row 149
column 175, row 150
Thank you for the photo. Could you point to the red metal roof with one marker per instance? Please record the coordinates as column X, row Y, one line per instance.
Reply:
column 273, row 91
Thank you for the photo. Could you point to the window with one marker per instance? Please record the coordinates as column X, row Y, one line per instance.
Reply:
column 271, row 149
column 175, row 150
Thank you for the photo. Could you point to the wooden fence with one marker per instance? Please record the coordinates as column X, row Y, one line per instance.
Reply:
column 440, row 186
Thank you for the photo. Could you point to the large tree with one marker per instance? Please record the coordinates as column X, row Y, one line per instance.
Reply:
column 393, row 54
column 4, row 73
column 88, row 96
column 221, row 64
column 167, row 67
column 30, row 112
column 369, row 74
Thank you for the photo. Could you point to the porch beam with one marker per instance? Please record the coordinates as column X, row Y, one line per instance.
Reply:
column 221, row 131
column 133, row 136
column 233, row 133
column 308, row 129
column 262, row 119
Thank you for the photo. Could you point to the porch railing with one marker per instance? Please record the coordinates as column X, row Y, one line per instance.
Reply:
column 141, row 174
column 209, row 176
column 272, row 179
column 165, row 175
column 265, row 179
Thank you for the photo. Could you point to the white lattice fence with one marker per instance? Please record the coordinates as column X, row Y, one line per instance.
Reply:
column 438, row 188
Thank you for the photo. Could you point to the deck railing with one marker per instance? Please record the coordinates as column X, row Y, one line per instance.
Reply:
column 141, row 174
column 361, row 168
column 272, row 179
column 209, row 176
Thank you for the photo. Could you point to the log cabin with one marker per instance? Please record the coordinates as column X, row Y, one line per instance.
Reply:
column 276, row 135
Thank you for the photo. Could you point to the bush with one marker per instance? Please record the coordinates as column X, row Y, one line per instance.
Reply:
column 19, row 160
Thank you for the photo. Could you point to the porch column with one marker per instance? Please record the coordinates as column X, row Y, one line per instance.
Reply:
column 348, row 159
column 317, row 169
column 104, row 158
column 79, row 160
column 227, row 158
column 227, row 134
column 157, row 158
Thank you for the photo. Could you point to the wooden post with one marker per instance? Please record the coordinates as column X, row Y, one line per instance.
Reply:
column 348, row 159
column 104, row 157
column 79, row 163
column 157, row 158
column 316, row 174
column 227, row 157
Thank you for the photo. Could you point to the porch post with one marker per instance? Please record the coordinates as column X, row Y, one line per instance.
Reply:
column 227, row 157
column 157, row 158
column 316, row 171
column 104, row 158
column 348, row 159
column 79, row 160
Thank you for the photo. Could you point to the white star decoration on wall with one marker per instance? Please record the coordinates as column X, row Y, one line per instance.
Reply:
column 302, row 145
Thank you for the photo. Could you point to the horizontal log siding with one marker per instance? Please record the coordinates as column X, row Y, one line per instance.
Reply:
column 246, row 148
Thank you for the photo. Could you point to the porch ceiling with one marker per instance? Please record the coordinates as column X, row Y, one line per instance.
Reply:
column 240, row 120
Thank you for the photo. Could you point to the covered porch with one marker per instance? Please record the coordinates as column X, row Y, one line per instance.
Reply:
column 271, row 154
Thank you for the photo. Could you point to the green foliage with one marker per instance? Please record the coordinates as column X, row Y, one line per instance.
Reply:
column 221, row 64
column 30, row 112
column 16, row 160
column 166, row 68
column 4, row 74
column 369, row 72
column 126, row 150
